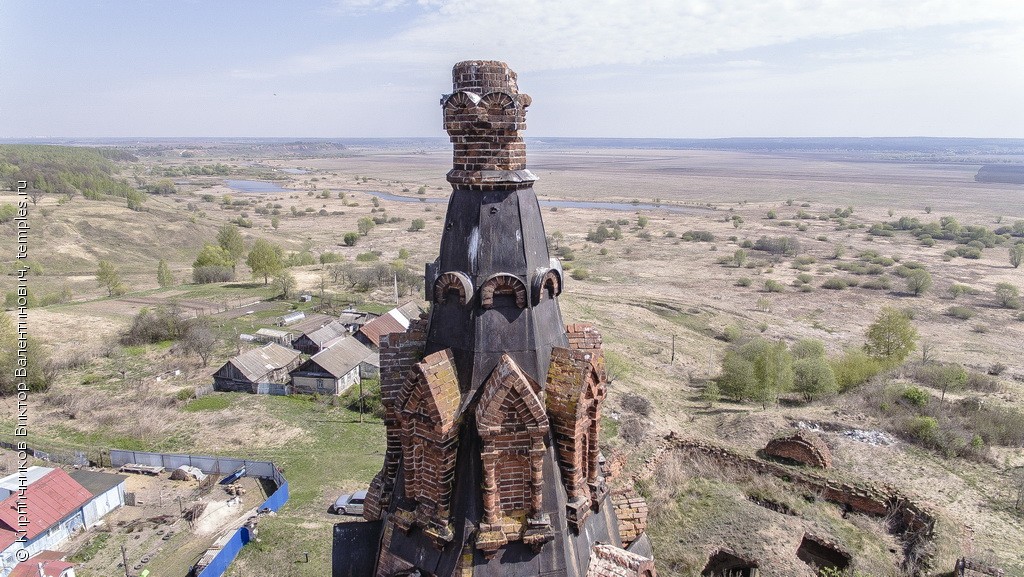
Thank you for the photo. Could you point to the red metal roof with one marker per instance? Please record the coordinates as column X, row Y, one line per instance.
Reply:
column 53, row 565
column 50, row 500
column 380, row 326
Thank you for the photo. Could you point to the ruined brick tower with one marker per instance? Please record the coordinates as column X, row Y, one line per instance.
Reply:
column 493, row 405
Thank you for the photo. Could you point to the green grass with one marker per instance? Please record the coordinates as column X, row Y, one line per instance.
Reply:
column 90, row 549
column 216, row 402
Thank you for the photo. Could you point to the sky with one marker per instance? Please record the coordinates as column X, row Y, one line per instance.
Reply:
column 595, row 68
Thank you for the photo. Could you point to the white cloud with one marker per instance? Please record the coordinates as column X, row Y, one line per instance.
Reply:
column 548, row 35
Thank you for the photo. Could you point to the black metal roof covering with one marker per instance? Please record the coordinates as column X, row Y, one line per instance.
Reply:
column 97, row 482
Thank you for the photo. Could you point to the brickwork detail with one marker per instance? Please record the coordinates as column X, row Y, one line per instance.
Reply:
column 483, row 117
column 512, row 425
column 802, row 447
column 575, row 391
column 398, row 353
column 502, row 284
column 610, row 561
column 455, row 284
column 916, row 522
column 547, row 285
column 631, row 510
column 428, row 408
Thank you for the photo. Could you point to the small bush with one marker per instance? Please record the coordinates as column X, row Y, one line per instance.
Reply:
column 580, row 273
column 922, row 428
column 743, row 281
column 915, row 396
column 960, row 312
column 877, row 284
column 698, row 236
column 855, row 367
column 633, row 429
column 773, row 286
column 835, row 283
column 637, row 404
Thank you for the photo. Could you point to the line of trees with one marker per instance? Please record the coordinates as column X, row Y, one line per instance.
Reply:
column 761, row 370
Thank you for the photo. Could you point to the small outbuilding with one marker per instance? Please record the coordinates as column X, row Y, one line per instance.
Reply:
column 290, row 318
column 314, row 341
column 283, row 338
column 269, row 364
column 107, row 490
column 333, row 370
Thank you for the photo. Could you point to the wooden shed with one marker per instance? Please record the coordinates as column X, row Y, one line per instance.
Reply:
column 270, row 363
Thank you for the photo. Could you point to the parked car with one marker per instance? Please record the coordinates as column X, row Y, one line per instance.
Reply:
column 349, row 504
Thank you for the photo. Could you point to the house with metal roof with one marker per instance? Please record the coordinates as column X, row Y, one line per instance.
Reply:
column 54, row 504
column 107, row 490
column 269, row 364
column 395, row 321
column 312, row 342
column 336, row 368
column 46, row 563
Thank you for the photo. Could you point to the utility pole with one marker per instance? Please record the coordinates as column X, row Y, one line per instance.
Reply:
column 673, row 359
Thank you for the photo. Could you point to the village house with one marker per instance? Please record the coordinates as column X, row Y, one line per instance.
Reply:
column 395, row 321
column 333, row 370
column 314, row 341
column 60, row 505
column 249, row 371
column 354, row 320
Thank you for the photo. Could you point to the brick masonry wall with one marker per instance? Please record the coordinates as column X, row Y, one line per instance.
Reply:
column 631, row 510
column 398, row 353
column 610, row 561
column 803, row 447
column 915, row 523
column 483, row 116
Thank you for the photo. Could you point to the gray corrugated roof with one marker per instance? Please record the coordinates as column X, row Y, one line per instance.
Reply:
column 97, row 482
column 256, row 363
column 330, row 331
column 340, row 358
column 410, row 310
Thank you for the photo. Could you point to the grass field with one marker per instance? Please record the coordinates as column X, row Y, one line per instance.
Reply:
column 666, row 307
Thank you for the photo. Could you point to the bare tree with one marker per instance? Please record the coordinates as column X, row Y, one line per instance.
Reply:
column 199, row 338
column 35, row 195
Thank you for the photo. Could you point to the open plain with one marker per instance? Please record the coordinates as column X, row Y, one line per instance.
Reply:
column 667, row 288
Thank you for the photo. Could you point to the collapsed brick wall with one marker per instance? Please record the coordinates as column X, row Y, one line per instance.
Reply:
column 398, row 353
column 631, row 510
column 610, row 561
column 911, row 521
column 801, row 447
column 575, row 391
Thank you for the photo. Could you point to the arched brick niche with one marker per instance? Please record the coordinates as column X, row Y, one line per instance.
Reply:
column 512, row 425
column 502, row 285
column 575, row 392
column 428, row 412
column 547, row 284
column 453, row 285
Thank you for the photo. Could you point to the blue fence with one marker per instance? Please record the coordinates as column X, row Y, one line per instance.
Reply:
column 216, row 465
column 278, row 499
column 223, row 560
